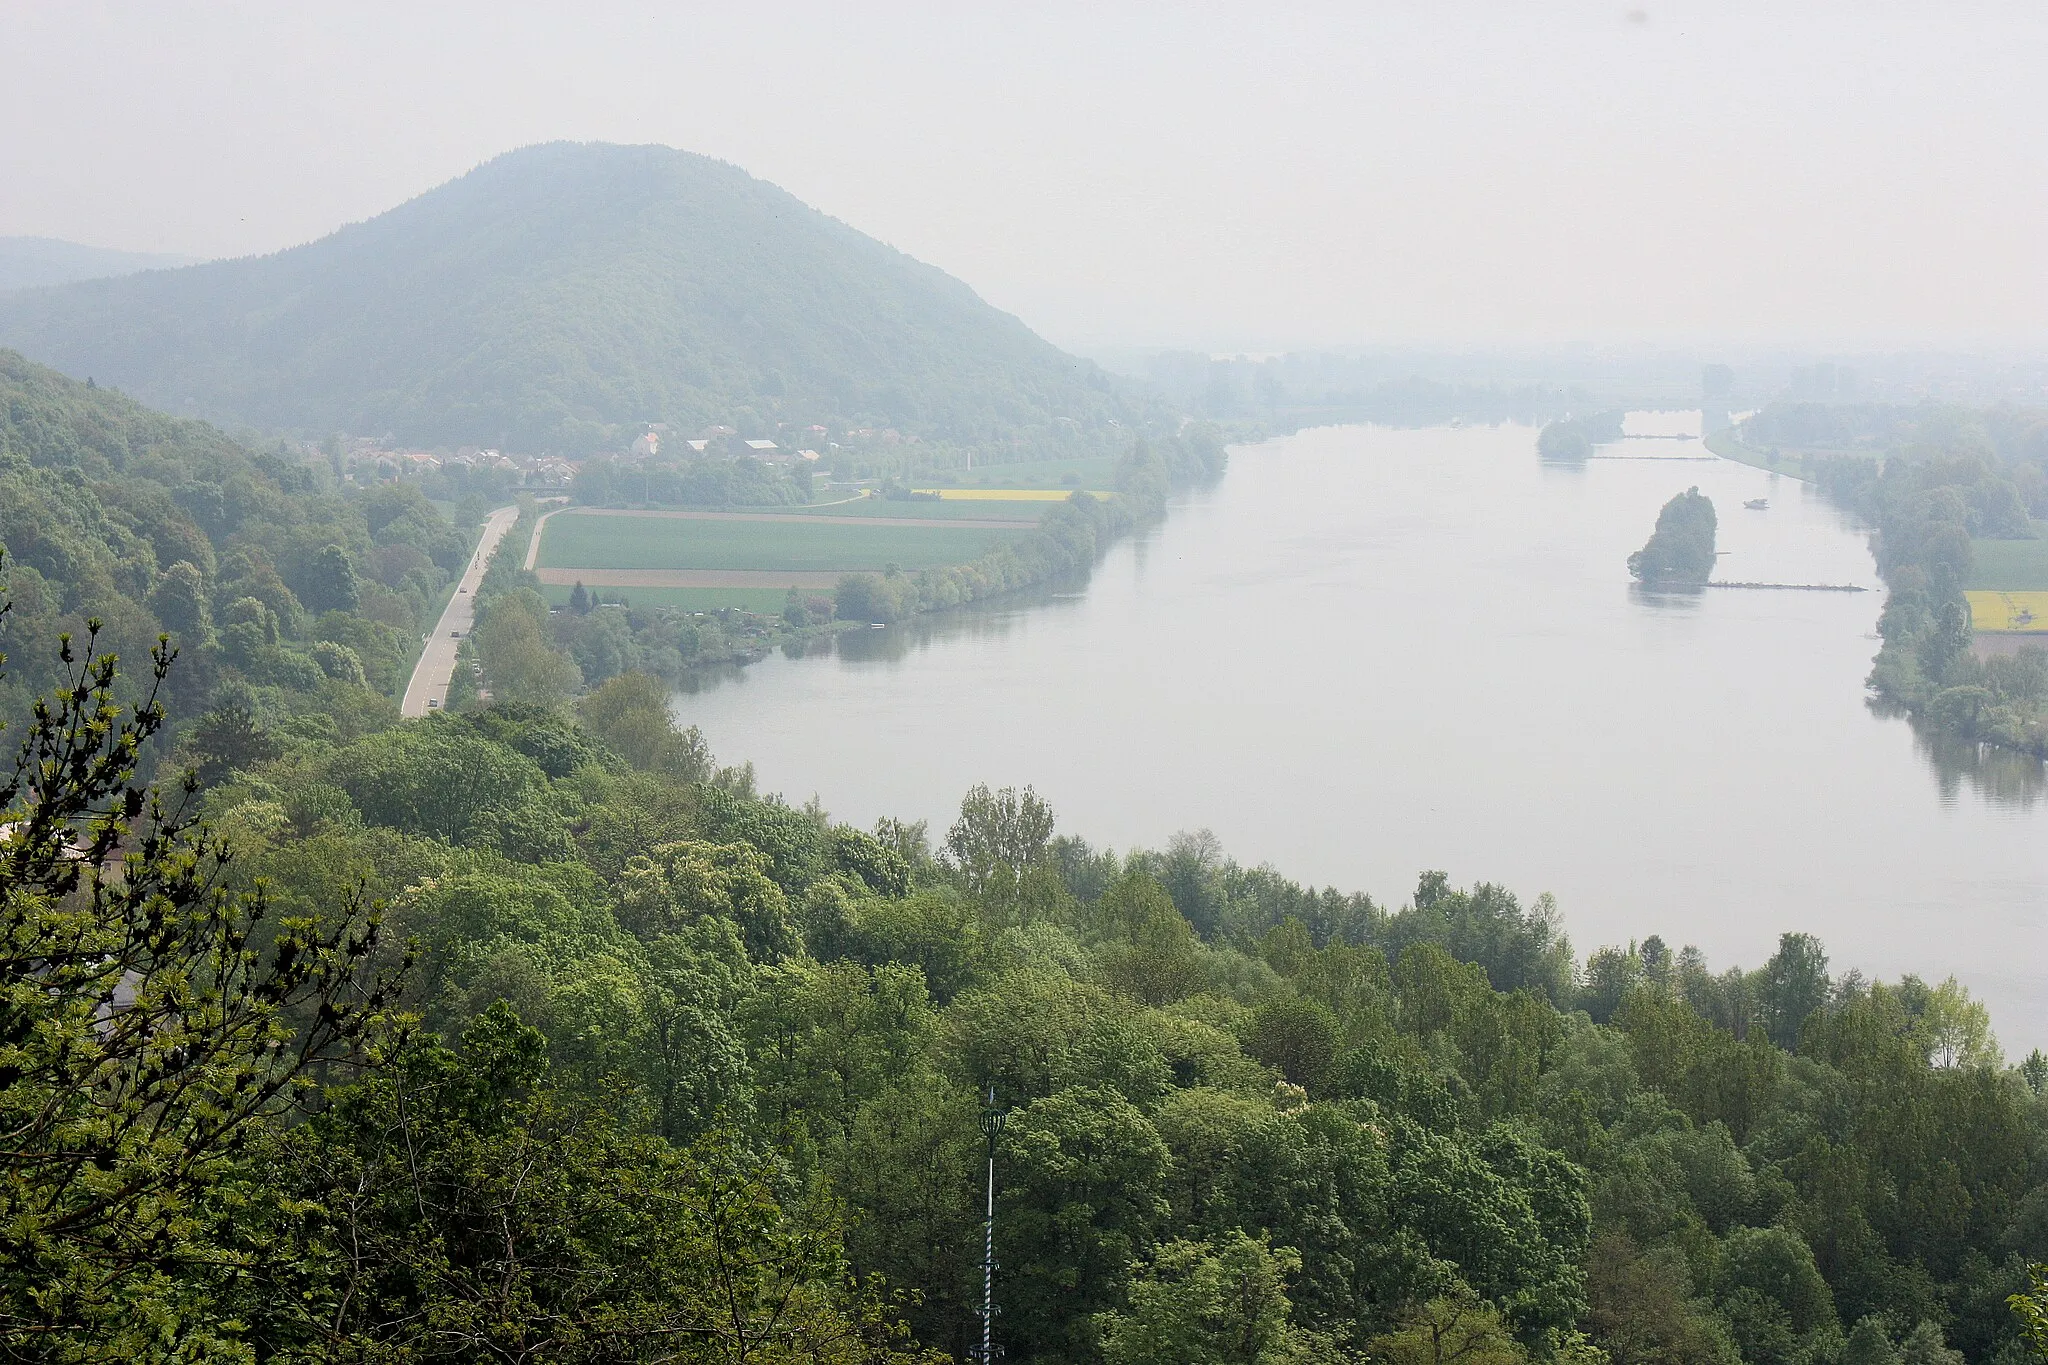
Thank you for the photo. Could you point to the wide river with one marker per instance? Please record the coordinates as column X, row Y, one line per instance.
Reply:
column 1367, row 652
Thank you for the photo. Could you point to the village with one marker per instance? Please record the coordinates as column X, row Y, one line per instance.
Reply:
column 369, row 459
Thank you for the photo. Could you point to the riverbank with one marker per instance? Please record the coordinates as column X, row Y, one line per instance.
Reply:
column 581, row 594
column 1931, row 509
column 1727, row 443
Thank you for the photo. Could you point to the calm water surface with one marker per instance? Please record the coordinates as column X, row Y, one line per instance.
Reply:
column 1368, row 652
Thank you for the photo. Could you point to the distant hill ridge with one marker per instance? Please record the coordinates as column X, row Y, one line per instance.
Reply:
column 28, row 262
column 559, row 296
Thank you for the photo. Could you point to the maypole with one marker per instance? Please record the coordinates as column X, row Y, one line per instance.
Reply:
column 992, row 1120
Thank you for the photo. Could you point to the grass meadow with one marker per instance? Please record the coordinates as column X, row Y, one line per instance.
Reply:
column 2010, row 565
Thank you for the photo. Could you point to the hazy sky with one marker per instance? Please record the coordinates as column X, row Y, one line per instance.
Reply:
column 1251, row 175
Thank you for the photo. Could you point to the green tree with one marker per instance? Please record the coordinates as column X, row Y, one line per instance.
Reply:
column 330, row 583
column 1779, row 1309
column 1455, row 1329
column 1794, row 984
column 1148, row 948
column 2031, row 1308
column 455, row 1206
column 1298, row 1037
column 145, row 1036
column 229, row 738
column 630, row 713
column 1004, row 828
column 677, row 885
column 912, row 1169
column 1218, row 1302
column 519, row 661
column 179, row 602
column 1081, row 1188
column 437, row 778
column 1641, row 1310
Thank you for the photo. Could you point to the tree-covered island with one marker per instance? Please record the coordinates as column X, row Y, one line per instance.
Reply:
column 1680, row 552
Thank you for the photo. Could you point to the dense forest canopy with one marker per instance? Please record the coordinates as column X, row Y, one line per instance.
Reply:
column 563, row 296
column 544, row 1038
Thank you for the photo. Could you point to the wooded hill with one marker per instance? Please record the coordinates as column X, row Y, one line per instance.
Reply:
column 282, row 589
column 558, row 297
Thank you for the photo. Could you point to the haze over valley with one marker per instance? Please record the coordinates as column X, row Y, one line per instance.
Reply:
column 1090, row 687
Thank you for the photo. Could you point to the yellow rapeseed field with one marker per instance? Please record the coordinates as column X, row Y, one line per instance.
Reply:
column 2009, row 613
column 1002, row 494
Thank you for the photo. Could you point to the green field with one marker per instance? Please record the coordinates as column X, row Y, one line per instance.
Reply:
column 573, row 541
column 2010, row 565
column 1026, row 474
column 923, row 509
column 767, row 601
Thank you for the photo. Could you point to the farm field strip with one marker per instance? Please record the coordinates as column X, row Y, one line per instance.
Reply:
column 836, row 517
column 2008, row 613
column 578, row 540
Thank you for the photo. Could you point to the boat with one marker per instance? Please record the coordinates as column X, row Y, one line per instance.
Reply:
column 1757, row 504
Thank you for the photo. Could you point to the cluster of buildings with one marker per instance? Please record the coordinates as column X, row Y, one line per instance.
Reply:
column 649, row 445
column 531, row 471
column 799, row 445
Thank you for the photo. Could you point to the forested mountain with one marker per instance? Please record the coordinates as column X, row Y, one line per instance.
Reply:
column 559, row 296
column 26, row 262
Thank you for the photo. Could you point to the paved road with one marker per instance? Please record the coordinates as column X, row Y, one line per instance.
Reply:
column 437, row 662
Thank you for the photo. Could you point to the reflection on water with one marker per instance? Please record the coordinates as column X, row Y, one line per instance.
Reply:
column 1999, row 776
column 1369, row 652
column 894, row 644
column 1667, row 596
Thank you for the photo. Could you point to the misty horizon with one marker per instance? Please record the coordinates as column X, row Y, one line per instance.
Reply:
column 1306, row 179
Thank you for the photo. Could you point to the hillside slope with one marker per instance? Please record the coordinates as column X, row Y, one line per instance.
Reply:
column 558, row 296
column 266, row 572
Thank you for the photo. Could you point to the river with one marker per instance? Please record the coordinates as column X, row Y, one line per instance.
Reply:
column 1368, row 652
